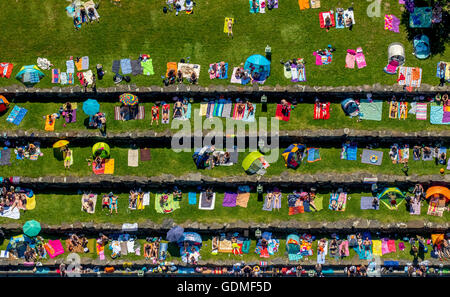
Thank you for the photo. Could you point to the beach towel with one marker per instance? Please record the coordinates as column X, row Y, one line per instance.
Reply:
column 70, row 79
column 403, row 153
column 203, row 109
column 145, row 154
column 279, row 113
column 421, row 111
column 349, row 151
column 210, row 109
column 323, row 16
column 205, row 204
column 85, row 63
column 147, row 67
column 317, row 204
column 268, row 206
column 303, row 4
column 235, row 80
column 55, row 76
column 5, row 157
column 376, row 248
column 350, row 59
column 340, row 23
column 133, row 158
column 315, row 3
column 16, row 116
column 229, row 199
column 298, row 73
column 146, row 199
column 63, row 78
column 48, row 126
column 192, row 197
column 313, row 155
column 249, row 117
column 54, row 248
column 93, row 198
column 100, row 170
column 415, row 207
column 187, row 69
column 226, row 111
column 70, row 66
column 343, row 248
column 116, row 66
column 366, row 203
column 10, row 213
column 410, row 77
column 321, row 111
column 438, row 116
column 109, row 166
column 136, row 67
column 262, row 6
column 242, row 199
column 321, row 255
column 372, row 157
column 391, row 23
column 72, row 118
column 218, row 107
column 371, row 110
column 125, row 65
column 225, row 25
column 78, row 64
column 360, row 58
column 393, row 109
column 6, row 69
column 236, row 115
column 254, row 9
column 168, row 206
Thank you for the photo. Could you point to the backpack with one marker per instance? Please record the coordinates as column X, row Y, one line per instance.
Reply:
column 127, row 78
column 165, row 9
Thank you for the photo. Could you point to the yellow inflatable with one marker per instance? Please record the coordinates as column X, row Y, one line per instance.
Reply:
column 31, row 202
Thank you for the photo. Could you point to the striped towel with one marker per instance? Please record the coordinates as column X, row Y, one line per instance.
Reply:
column 226, row 112
column 55, row 76
column 70, row 78
column 421, row 111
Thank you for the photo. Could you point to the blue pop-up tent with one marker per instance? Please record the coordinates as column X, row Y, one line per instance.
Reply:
column 421, row 46
column 30, row 75
column 259, row 65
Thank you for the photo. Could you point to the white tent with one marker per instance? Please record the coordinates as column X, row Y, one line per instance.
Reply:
column 396, row 52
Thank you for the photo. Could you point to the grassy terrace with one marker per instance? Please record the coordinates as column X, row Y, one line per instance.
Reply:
column 34, row 29
column 205, row 252
column 54, row 209
column 165, row 161
column 302, row 118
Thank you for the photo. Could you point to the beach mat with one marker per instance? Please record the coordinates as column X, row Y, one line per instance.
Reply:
column 421, row 111
column 229, row 199
column 16, row 116
column 204, row 204
column 371, row 110
column 145, row 154
column 242, row 199
column 226, row 112
column 366, row 203
column 192, row 197
column 136, row 67
column 372, row 157
column 5, row 157
column 133, row 158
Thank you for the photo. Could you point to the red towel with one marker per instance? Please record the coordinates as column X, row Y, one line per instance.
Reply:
column 322, row 19
column 279, row 114
column 322, row 111
column 101, row 170
column 391, row 246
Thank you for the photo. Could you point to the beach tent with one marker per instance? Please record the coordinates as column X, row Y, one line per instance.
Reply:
column 421, row 17
column 193, row 241
column 385, row 197
column 30, row 75
column 293, row 247
column 442, row 192
column 4, row 104
column 293, row 155
column 421, row 46
column 396, row 52
column 200, row 157
column 252, row 164
column 350, row 107
column 101, row 149
column 258, row 64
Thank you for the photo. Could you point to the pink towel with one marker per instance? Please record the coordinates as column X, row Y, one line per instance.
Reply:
column 101, row 255
column 318, row 58
column 350, row 59
column 391, row 245
column 344, row 247
column 360, row 59
column 384, row 247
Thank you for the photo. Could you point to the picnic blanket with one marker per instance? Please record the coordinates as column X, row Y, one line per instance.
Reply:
column 205, row 204
column 371, row 110
column 192, row 197
column 168, row 206
column 133, row 158
column 366, row 203
column 229, row 199
column 125, row 66
column 313, row 155
column 321, row 111
column 349, row 151
column 10, row 213
column 283, row 116
column 136, row 67
column 145, row 154
column 372, row 157
column 391, row 23
column 93, row 198
column 187, row 69
column 439, row 115
column 147, row 67
column 420, row 17
column 421, row 111
column 16, row 116
column 444, row 72
column 5, row 157
column 323, row 16
column 410, row 77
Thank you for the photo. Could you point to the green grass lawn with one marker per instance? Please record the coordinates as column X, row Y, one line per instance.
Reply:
column 34, row 29
column 165, row 161
column 55, row 209
column 302, row 118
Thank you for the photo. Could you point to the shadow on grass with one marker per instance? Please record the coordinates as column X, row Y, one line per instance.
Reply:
column 438, row 33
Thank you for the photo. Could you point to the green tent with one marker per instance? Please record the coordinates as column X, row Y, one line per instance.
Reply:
column 31, row 228
column 101, row 149
column 251, row 163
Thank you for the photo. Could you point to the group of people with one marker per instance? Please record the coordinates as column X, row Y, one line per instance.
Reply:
column 11, row 197
column 173, row 77
column 129, row 112
column 178, row 5
column 136, row 200
column 99, row 121
column 77, row 243
column 109, row 201
column 151, row 249
column 84, row 16
column 427, row 152
column 27, row 151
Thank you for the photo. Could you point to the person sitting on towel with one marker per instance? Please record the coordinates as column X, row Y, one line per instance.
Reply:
column 416, row 152
column 250, row 108
column 442, row 158
column 171, row 76
column 193, row 79
column 179, row 76
column 374, row 203
column 31, row 149
column 77, row 22
column 223, row 70
column 393, row 153
column 426, row 152
column 327, row 23
column 91, row 15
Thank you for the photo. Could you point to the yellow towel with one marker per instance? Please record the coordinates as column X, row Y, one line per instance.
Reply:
column 31, row 203
column 49, row 127
column 203, row 109
column 109, row 166
column 377, row 248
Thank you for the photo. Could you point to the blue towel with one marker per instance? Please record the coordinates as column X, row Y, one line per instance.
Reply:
column 16, row 116
column 352, row 152
column 306, row 206
column 436, row 115
column 226, row 72
column 192, row 198
column 125, row 64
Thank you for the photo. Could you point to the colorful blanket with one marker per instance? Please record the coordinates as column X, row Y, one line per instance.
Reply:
column 229, row 199
column 391, row 23
column 443, row 72
column 421, row 111
column 349, row 151
column 410, row 77
column 164, row 203
column 313, row 155
column 16, row 116
column 372, row 157
column 283, row 116
column 321, row 111
column 439, row 115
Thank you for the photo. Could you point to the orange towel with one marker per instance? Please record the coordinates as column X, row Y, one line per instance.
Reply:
column 171, row 65
column 303, row 4
column 78, row 64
